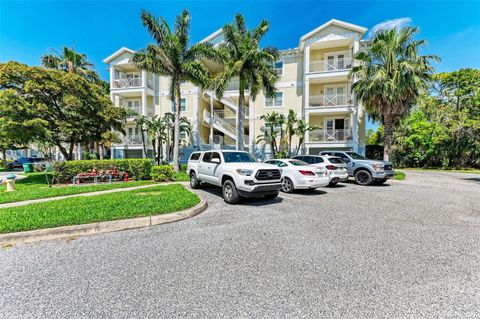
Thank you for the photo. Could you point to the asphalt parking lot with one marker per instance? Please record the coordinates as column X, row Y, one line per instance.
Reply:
column 407, row 249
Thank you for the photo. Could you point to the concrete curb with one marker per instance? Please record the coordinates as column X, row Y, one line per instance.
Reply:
column 31, row 236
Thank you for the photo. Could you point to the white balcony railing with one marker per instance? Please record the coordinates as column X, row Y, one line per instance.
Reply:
column 228, row 115
column 132, row 139
column 330, row 100
column 343, row 135
column 137, row 110
column 130, row 83
column 331, row 65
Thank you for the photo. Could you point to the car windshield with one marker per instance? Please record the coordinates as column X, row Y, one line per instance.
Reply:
column 335, row 160
column 238, row 157
column 355, row 155
column 297, row 163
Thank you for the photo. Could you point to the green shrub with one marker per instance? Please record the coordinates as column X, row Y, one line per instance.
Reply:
column 162, row 173
column 137, row 168
column 181, row 177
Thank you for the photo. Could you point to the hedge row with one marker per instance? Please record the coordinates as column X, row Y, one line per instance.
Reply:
column 136, row 168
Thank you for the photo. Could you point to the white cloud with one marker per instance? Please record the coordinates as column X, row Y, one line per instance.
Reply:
column 389, row 24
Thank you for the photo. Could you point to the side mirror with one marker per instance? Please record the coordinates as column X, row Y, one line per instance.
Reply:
column 259, row 160
column 215, row 160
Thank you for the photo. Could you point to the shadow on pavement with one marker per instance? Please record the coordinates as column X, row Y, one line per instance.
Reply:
column 254, row 201
column 472, row 179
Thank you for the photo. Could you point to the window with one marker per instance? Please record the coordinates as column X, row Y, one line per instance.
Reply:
column 183, row 135
column 217, row 156
column 238, row 157
column 276, row 102
column 267, row 128
column 279, row 67
column 297, row 162
column 318, row 159
column 183, row 105
column 206, row 157
column 195, row 156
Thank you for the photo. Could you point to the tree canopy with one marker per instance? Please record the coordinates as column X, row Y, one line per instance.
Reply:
column 69, row 108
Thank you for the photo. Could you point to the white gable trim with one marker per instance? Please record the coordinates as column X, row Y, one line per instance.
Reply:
column 118, row 53
column 336, row 22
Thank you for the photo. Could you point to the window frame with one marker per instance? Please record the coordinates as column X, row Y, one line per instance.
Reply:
column 281, row 73
column 182, row 109
column 273, row 101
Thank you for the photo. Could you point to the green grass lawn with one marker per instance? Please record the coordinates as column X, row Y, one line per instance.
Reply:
column 399, row 176
column 82, row 210
column 35, row 186
column 466, row 170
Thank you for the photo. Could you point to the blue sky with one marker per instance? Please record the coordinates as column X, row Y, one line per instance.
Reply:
column 28, row 29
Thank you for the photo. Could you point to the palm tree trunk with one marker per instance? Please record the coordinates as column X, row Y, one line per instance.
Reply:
column 176, row 140
column 300, row 142
column 387, row 136
column 143, row 142
column 154, row 149
column 241, row 116
column 4, row 156
column 160, row 151
column 289, row 144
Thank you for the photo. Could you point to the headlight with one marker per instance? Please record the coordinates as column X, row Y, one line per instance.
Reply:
column 244, row 172
column 377, row 166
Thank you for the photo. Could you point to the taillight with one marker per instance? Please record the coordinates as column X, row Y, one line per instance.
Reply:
column 331, row 167
column 307, row 173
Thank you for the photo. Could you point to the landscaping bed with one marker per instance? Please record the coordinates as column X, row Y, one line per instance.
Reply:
column 35, row 186
column 154, row 200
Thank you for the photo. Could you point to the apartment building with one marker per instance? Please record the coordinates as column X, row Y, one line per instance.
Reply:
column 313, row 82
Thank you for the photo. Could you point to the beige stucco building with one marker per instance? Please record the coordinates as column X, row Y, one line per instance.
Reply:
column 313, row 82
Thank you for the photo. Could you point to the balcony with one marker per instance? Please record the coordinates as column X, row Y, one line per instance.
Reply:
column 331, row 65
column 326, row 100
column 132, row 140
column 127, row 83
column 133, row 112
column 321, row 136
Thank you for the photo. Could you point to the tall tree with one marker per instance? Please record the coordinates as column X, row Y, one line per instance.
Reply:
column 19, row 125
column 74, row 109
column 172, row 56
column 70, row 61
column 242, row 58
column 390, row 77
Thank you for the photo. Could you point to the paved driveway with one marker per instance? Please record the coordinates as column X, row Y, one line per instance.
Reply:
column 407, row 249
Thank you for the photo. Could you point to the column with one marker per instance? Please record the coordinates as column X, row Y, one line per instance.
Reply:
column 306, row 68
column 211, row 119
column 112, row 81
column 144, row 102
column 307, row 133
column 251, row 126
column 196, row 139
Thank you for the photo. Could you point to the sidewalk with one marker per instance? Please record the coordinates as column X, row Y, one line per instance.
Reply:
column 41, row 200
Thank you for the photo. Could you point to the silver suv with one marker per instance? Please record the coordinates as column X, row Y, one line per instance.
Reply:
column 365, row 171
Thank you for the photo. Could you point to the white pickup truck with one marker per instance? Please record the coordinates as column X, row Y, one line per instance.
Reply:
column 238, row 173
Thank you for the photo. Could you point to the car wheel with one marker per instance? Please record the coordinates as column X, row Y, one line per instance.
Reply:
column 333, row 183
column 229, row 191
column 363, row 178
column 287, row 185
column 194, row 183
column 271, row 196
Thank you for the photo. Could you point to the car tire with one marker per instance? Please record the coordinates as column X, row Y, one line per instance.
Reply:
column 333, row 183
column 363, row 177
column 229, row 192
column 271, row 196
column 287, row 185
column 194, row 182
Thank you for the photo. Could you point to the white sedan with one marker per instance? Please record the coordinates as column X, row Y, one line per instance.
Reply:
column 299, row 175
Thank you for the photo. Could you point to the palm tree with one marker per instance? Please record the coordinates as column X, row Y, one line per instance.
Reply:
column 302, row 128
column 290, row 129
column 242, row 58
column 390, row 77
column 141, row 122
column 172, row 56
column 270, row 137
column 157, row 133
column 70, row 61
column 184, row 126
